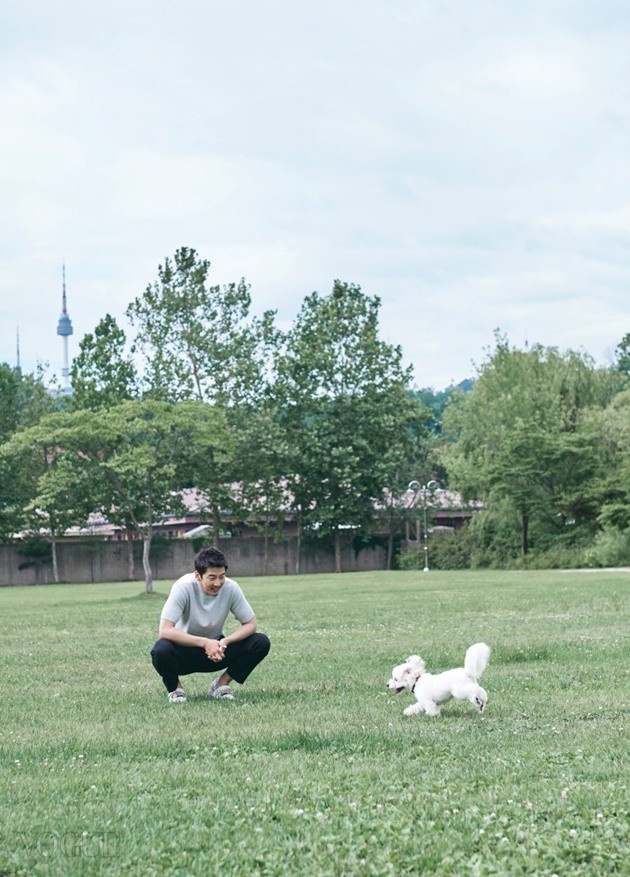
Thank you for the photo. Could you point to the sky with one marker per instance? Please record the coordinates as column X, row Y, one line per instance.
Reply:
column 466, row 161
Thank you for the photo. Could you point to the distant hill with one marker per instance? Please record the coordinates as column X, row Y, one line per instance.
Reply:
column 436, row 400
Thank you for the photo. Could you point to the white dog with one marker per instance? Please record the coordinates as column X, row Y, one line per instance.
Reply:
column 432, row 690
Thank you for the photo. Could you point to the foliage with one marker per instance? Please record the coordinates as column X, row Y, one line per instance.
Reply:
column 446, row 550
column 608, row 432
column 313, row 769
column 342, row 394
column 490, row 540
column 410, row 458
column 55, row 492
column 437, row 400
column 622, row 355
column 10, row 381
column 199, row 341
column 516, row 436
column 323, row 419
column 611, row 548
column 35, row 550
column 23, row 401
column 103, row 373
column 129, row 464
column 260, row 466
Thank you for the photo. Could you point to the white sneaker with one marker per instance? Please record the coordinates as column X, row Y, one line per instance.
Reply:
column 177, row 696
column 221, row 692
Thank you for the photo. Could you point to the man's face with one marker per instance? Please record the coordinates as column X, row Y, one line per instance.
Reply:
column 212, row 580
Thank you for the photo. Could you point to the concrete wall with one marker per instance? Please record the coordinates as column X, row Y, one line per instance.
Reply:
column 108, row 561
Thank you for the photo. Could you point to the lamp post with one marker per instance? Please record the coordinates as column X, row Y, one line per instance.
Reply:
column 429, row 488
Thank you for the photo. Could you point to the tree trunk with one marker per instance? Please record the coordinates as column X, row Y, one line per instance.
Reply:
column 266, row 554
column 524, row 532
column 53, row 545
column 390, row 549
column 131, row 564
column 298, row 548
column 146, row 565
column 337, row 551
column 216, row 527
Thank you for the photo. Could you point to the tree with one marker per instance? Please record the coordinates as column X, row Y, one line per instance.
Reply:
column 622, row 356
column 436, row 401
column 261, row 492
column 199, row 341
column 515, row 435
column 24, row 400
column 342, row 396
column 10, row 379
column 135, row 460
column 407, row 459
column 103, row 373
column 54, row 493
column 608, row 431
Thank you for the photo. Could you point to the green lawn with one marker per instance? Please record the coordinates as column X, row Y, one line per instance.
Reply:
column 313, row 769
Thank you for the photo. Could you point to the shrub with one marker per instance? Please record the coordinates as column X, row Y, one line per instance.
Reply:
column 447, row 550
column 611, row 548
column 556, row 557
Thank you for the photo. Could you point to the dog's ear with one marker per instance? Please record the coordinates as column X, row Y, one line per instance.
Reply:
column 415, row 666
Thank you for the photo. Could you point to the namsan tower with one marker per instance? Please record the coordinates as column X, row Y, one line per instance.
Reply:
column 64, row 328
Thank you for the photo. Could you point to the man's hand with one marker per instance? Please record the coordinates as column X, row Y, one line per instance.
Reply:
column 214, row 649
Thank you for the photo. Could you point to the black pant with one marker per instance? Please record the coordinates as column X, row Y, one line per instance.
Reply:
column 172, row 660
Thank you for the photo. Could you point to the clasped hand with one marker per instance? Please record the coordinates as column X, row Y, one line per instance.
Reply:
column 214, row 649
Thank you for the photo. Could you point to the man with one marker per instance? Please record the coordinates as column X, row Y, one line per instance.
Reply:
column 191, row 630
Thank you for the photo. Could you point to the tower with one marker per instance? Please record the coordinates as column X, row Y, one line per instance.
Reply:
column 64, row 328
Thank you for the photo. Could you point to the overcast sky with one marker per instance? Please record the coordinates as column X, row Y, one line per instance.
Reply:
column 468, row 161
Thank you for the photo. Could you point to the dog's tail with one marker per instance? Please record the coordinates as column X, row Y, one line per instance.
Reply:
column 476, row 659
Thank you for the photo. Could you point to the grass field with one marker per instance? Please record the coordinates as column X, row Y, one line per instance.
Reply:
column 313, row 769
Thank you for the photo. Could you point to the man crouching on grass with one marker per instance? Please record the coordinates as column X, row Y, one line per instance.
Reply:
column 191, row 630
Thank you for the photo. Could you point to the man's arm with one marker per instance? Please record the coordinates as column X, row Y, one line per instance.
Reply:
column 246, row 629
column 213, row 648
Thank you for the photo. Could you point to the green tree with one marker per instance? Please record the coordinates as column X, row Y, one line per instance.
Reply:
column 24, row 400
column 199, row 341
column 608, row 431
column 10, row 380
column 342, row 395
column 103, row 372
column 515, row 435
column 437, row 400
column 54, row 493
column 622, row 356
column 409, row 458
column 260, row 493
column 135, row 460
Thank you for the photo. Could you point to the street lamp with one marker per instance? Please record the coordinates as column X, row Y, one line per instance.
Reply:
column 423, row 489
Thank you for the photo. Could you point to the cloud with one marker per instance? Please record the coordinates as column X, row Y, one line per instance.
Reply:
column 465, row 162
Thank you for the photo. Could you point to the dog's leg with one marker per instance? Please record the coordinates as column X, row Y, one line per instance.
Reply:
column 478, row 697
column 431, row 708
column 414, row 710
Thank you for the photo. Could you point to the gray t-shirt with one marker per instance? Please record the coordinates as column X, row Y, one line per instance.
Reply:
column 200, row 614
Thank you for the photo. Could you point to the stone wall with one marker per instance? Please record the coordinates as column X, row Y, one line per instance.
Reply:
column 108, row 561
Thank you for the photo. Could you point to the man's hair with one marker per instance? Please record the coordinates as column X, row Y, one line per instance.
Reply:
column 209, row 558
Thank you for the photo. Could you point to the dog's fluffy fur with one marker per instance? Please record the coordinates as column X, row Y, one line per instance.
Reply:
column 432, row 690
